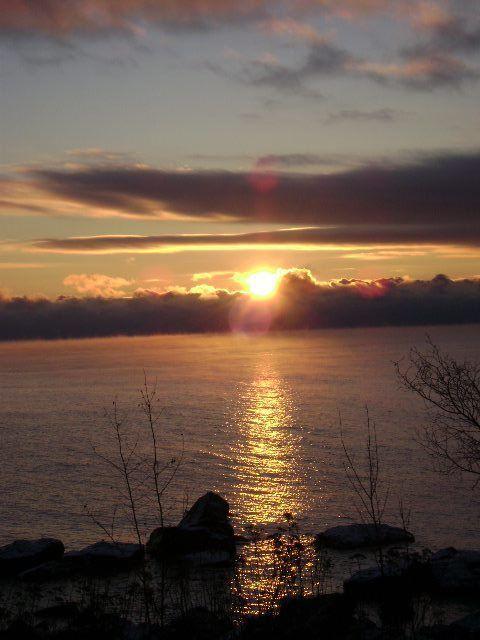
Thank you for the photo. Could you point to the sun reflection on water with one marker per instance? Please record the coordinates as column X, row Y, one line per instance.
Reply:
column 268, row 482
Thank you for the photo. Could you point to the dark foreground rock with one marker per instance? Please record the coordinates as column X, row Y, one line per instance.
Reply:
column 106, row 555
column 53, row 570
column 407, row 574
column 356, row 536
column 468, row 627
column 205, row 534
column 199, row 624
column 329, row 617
column 100, row 557
column 448, row 571
column 455, row 571
column 62, row 611
column 24, row 554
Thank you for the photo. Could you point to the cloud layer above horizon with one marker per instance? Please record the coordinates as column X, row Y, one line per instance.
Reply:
column 301, row 302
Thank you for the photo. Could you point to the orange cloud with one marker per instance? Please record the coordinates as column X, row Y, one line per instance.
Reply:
column 59, row 18
column 97, row 284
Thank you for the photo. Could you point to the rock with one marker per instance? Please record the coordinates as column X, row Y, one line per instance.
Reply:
column 407, row 574
column 105, row 556
column 355, row 536
column 62, row 611
column 205, row 534
column 53, row 570
column 24, row 554
column 198, row 624
column 468, row 627
column 328, row 616
column 436, row 632
column 209, row 513
column 368, row 582
column 454, row 571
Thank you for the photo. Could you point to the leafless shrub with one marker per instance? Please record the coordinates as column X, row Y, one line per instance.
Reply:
column 368, row 484
column 451, row 392
column 144, row 479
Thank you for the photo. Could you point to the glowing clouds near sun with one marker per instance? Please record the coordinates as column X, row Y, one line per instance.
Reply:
column 254, row 312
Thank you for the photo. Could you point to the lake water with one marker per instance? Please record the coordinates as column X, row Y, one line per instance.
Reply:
column 260, row 424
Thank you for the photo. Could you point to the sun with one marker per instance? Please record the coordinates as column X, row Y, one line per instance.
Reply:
column 262, row 284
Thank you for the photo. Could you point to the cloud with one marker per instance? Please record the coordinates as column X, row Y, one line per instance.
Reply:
column 324, row 58
column 384, row 115
column 300, row 239
column 291, row 28
column 433, row 190
column 211, row 275
column 420, row 68
column 302, row 302
column 283, row 161
column 97, row 284
column 446, row 30
column 61, row 19
column 201, row 290
column 428, row 64
column 21, row 265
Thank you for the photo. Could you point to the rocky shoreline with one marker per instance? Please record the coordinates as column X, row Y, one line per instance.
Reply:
column 205, row 538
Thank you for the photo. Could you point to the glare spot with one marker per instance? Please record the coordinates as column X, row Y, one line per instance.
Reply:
column 262, row 284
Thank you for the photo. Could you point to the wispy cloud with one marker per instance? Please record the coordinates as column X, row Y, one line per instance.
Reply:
column 60, row 19
column 12, row 266
column 384, row 115
column 417, row 68
column 211, row 275
column 302, row 239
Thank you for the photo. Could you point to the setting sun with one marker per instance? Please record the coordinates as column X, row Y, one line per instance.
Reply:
column 262, row 283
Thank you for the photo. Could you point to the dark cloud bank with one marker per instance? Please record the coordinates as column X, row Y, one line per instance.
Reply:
column 301, row 303
column 442, row 189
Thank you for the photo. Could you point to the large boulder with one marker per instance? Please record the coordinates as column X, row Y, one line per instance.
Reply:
column 404, row 573
column 328, row 616
column 24, row 554
column 455, row 570
column 99, row 557
column 49, row 571
column 102, row 555
column 372, row 581
column 198, row 624
column 356, row 536
column 204, row 535
column 468, row 627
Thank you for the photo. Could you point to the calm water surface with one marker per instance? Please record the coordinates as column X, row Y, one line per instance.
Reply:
column 258, row 416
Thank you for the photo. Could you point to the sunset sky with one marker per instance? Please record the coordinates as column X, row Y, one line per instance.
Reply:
column 164, row 145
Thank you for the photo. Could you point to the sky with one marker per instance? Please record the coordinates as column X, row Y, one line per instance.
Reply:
column 152, row 146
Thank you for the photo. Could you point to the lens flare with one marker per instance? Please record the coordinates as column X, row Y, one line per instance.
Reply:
column 262, row 284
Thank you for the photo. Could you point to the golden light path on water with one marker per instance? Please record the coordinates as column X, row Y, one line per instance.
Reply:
column 268, row 479
column 268, row 483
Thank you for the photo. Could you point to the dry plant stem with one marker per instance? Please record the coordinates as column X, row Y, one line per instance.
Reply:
column 126, row 473
column 148, row 395
column 372, row 501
